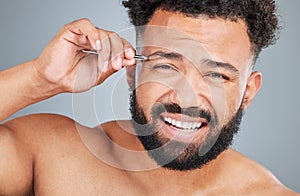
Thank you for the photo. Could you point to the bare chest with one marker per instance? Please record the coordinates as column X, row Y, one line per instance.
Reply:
column 97, row 179
column 80, row 179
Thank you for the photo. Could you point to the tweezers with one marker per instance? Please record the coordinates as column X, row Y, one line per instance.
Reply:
column 136, row 57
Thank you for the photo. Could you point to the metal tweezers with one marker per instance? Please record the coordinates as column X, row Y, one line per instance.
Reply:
column 136, row 57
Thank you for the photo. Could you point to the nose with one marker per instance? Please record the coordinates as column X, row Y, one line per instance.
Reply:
column 190, row 91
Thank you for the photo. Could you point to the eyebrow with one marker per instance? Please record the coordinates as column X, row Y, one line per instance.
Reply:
column 221, row 65
column 167, row 55
column 208, row 62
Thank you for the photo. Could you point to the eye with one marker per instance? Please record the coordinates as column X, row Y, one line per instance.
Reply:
column 216, row 75
column 164, row 67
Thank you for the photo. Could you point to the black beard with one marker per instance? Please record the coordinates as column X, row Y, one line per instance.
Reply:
column 177, row 155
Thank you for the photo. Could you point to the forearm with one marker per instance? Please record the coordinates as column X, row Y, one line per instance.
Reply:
column 20, row 86
column 63, row 67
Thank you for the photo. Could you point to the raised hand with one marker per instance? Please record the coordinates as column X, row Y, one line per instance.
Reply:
column 64, row 65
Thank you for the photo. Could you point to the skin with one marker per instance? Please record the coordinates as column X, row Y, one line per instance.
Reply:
column 49, row 154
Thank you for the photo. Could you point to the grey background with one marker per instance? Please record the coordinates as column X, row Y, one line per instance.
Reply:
column 270, row 130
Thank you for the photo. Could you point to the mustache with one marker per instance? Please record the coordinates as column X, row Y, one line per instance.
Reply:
column 175, row 108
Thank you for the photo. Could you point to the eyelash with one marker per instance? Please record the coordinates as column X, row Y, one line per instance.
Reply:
column 218, row 75
column 214, row 75
column 165, row 66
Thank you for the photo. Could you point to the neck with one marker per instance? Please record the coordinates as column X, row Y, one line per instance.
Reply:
column 137, row 162
column 213, row 174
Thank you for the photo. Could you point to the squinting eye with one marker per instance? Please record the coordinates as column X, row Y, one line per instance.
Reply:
column 164, row 67
column 218, row 76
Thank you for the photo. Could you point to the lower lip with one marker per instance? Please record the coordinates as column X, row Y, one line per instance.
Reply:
column 177, row 134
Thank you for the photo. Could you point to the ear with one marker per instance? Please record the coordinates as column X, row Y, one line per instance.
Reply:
column 253, row 85
column 130, row 73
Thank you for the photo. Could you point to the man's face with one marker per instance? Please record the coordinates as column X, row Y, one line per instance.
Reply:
column 191, row 94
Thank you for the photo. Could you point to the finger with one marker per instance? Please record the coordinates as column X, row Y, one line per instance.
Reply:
column 129, row 50
column 129, row 53
column 117, row 51
column 82, row 33
column 105, row 53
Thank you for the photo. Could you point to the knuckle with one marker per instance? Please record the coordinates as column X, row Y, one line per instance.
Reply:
column 104, row 35
column 126, row 43
column 113, row 35
column 66, row 27
column 85, row 21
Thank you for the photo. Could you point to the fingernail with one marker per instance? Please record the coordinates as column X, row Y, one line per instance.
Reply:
column 119, row 62
column 98, row 45
column 105, row 66
column 129, row 53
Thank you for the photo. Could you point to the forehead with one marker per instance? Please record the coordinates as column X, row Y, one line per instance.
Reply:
column 222, row 40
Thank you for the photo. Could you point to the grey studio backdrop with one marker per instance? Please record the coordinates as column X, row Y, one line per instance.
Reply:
column 270, row 129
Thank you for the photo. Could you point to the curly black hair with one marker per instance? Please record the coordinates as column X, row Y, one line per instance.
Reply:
column 259, row 15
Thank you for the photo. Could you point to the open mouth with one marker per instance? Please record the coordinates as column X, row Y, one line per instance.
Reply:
column 184, row 126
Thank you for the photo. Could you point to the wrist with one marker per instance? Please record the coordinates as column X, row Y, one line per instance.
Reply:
column 39, row 87
column 21, row 86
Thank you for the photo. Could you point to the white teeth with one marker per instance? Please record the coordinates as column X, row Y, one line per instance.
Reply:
column 168, row 119
column 178, row 124
column 184, row 126
column 199, row 124
column 173, row 122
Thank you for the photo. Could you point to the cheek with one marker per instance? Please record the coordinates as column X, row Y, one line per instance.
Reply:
column 148, row 94
column 225, row 102
column 234, row 100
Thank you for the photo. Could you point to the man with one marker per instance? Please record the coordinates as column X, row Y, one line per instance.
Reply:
column 186, row 104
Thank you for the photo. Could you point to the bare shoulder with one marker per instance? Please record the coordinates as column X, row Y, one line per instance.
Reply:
column 56, row 137
column 21, row 141
column 35, row 121
column 255, row 178
column 40, row 124
column 51, row 133
column 43, row 129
